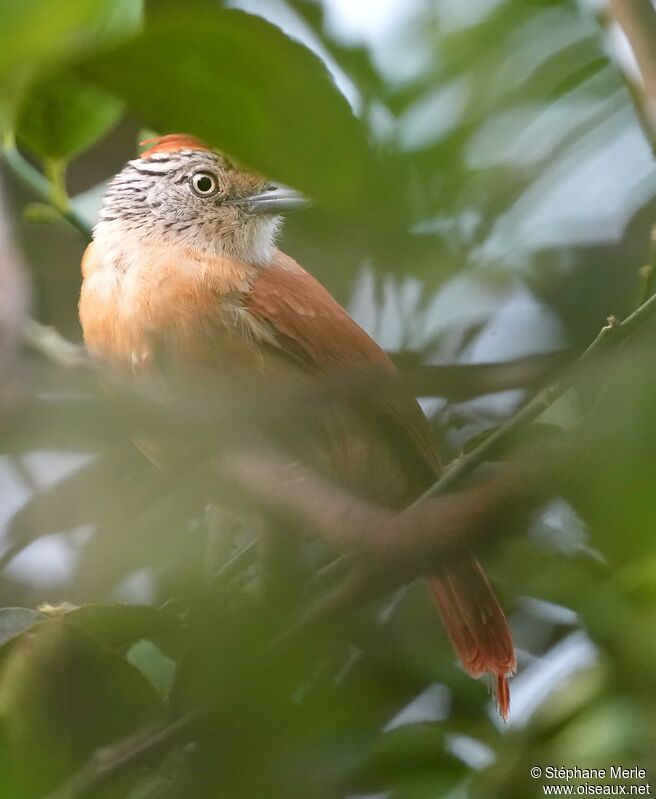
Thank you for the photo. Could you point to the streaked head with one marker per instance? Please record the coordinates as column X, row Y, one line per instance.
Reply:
column 182, row 193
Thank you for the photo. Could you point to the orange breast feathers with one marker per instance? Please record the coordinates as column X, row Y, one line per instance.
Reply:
column 145, row 305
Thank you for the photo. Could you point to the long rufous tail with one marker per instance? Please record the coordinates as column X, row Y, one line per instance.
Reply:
column 477, row 626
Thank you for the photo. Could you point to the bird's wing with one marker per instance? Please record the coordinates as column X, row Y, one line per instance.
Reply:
column 308, row 322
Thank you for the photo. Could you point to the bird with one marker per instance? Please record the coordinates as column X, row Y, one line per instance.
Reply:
column 183, row 274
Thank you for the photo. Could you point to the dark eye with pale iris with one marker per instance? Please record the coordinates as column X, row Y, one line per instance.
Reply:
column 204, row 184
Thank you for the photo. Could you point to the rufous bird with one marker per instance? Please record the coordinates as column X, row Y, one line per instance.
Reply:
column 183, row 270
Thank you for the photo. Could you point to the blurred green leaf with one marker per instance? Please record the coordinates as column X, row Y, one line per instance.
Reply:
column 33, row 37
column 602, row 733
column 120, row 626
column 14, row 621
column 411, row 760
column 616, row 486
column 63, row 695
column 244, row 86
column 62, row 117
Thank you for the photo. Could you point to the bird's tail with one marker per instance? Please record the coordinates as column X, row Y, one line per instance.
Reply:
column 476, row 626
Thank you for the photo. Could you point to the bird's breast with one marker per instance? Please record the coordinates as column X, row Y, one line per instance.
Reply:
column 146, row 308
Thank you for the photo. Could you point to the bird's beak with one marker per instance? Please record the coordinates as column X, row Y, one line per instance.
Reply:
column 275, row 200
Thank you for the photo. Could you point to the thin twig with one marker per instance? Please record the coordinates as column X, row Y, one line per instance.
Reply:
column 467, row 464
column 109, row 761
column 49, row 343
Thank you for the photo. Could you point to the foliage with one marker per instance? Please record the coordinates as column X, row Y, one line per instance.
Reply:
column 444, row 185
column 63, row 117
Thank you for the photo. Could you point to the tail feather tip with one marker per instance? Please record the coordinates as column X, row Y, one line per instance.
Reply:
column 502, row 696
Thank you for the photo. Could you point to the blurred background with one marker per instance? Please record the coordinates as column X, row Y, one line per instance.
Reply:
column 484, row 184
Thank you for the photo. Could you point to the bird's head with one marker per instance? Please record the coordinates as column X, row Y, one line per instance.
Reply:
column 182, row 193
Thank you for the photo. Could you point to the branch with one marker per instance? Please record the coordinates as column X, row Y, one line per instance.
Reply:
column 109, row 761
column 638, row 21
column 59, row 350
column 237, row 418
column 393, row 547
column 397, row 546
column 235, row 414
column 455, row 382
column 54, row 347
column 459, row 382
column 464, row 466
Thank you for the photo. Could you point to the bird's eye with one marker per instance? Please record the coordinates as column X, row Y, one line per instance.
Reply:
column 204, row 184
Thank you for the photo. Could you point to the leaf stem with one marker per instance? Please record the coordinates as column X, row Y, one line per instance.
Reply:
column 55, row 169
column 41, row 186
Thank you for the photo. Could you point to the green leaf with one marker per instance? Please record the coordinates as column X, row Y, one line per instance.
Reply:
column 120, row 626
column 247, row 88
column 14, row 621
column 33, row 38
column 62, row 696
column 64, row 116
column 410, row 757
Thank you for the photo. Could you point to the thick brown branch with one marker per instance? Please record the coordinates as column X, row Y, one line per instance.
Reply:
column 397, row 546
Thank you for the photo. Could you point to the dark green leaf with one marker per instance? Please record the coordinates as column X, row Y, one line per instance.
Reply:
column 62, row 696
column 244, row 86
column 62, row 117
column 32, row 36
column 119, row 626
column 411, row 755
